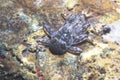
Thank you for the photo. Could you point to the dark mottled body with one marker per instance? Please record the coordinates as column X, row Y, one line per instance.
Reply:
column 72, row 32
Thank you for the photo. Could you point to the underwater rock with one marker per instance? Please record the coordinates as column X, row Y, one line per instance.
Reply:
column 113, row 31
column 2, row 51
column 31, row 21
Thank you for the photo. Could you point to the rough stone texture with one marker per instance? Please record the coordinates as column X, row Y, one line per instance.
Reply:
column 17, row 36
